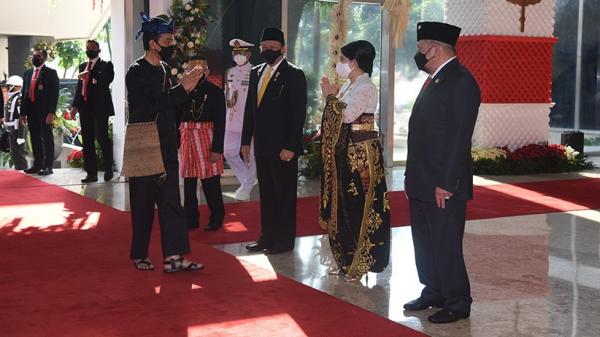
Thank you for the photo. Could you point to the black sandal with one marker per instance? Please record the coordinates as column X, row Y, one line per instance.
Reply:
column 143, row 264
column 178, row 263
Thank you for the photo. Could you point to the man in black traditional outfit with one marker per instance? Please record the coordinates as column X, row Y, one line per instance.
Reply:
column 151, row 91
column 202, row 130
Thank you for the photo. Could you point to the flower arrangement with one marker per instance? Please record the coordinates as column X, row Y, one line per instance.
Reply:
column 491, row 153
column 48, row 46
column 65, row 120
column 75, row 159
column 529, row 159
column 191, row 20
column 311, row 163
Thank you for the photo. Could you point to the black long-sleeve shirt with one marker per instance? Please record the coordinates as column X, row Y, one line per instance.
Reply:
column 206, row 103
column 150, row 92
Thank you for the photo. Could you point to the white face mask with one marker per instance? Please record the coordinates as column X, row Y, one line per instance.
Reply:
column 343, row 69
column 240, row 59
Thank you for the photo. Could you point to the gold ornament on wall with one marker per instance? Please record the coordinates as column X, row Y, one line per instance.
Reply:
column 399, row 11
column 338, row 33
column 524, row 4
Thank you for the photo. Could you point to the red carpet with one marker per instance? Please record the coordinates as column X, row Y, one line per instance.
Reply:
column 242, row 222
column 65, row 272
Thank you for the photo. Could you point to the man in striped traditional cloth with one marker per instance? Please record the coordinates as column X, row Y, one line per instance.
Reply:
column 202, row 132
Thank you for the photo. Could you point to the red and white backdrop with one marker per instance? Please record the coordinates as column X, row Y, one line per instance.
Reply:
column 513, row 67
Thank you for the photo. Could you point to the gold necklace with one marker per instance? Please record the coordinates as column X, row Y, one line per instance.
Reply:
column 197, row 111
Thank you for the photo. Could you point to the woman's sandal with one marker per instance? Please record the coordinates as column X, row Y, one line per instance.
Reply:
column 143, row 264
column 177, row 263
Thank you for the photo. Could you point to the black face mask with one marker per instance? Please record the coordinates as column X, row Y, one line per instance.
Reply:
column 270, row 56
column 166, row 52
column 92, row 54
column 37, row 61
column 421, row 60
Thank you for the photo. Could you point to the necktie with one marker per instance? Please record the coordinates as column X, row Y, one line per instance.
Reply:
column 33, row 84
column 426, row 84
column 85, row 82
column 263, row 85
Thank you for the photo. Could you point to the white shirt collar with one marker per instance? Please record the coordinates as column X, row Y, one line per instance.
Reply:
column 94, row 61
column 442, row 66
column 40, row 67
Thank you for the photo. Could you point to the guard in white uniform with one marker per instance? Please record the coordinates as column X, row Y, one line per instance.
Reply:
column 236, row 91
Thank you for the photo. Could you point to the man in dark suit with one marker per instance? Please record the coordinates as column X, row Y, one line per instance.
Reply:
column 94, row 103
column 38, row 110
column 439, row 172
column 274, row 118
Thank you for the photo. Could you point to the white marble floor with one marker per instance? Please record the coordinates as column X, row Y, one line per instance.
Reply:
column 535, row 275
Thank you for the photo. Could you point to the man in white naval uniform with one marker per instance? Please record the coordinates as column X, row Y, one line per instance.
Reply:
column 236, row 91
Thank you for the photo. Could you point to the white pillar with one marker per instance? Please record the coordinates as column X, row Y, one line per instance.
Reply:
column 4, row 57
column 124, row 20
column 512, row 64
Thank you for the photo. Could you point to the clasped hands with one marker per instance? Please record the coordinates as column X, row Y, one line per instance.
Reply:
column 190, row 79
column 328, row 88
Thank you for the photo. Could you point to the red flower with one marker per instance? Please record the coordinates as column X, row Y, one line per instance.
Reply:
column 67, row 115
column 75, row 155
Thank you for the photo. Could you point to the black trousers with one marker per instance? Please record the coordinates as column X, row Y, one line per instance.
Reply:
column 144, row 193
column 277, row 182
column 95, row 127
column 42, row 140
column 214, row 199
column 17, row 152
column 438, row 241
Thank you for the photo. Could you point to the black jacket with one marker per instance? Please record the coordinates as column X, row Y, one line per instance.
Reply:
column 439, row 135
column 212, row 100
column 279, row 120
column 46, row 92
column 99, row 100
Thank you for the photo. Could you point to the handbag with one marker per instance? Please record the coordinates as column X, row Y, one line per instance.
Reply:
column 142, row 155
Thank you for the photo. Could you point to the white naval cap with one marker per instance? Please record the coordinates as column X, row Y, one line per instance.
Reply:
column 239, row 44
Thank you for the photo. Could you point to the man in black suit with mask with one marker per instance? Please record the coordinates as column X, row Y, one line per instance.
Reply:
column 439, row 172
column 94, row 103
column 274, row 118
column 38, row 110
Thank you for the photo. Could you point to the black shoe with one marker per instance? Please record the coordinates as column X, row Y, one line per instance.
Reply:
column 277, row 250
column 89, row 179
column 422, row 304
column 31, row 170
column 447, row 316
column 45, row 172
column 255, row 247
column 212, row 227
column 108, row 175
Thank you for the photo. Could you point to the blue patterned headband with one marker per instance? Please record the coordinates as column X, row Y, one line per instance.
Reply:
column 157, row 25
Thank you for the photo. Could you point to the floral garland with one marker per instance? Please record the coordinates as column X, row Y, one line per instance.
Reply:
column 191, row 20
column 337, row 34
